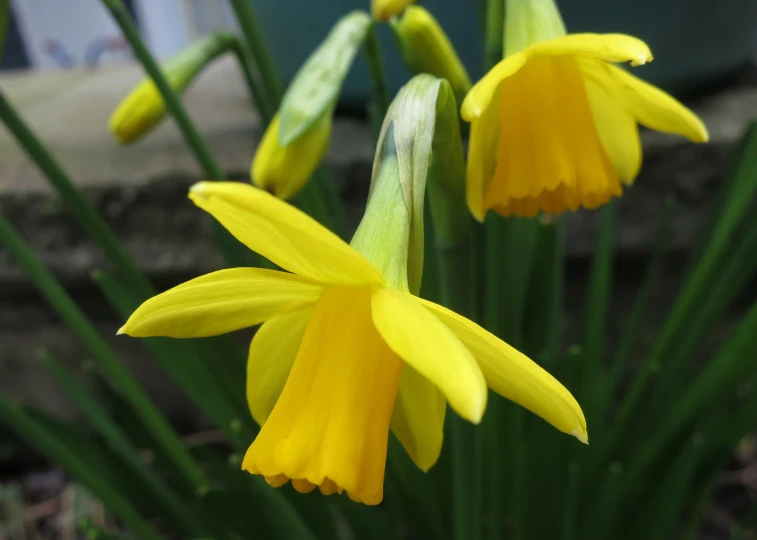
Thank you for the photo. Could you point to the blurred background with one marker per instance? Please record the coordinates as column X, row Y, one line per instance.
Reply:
column 66, row 66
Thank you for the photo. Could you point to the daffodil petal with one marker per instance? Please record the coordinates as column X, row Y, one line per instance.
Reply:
column 514, row 376
column 418, row 418
column 288, row 237
column 617, row 130
column 272, row 352
column 482, row 93
column 221, row 302
column 416, row 336
column 652, row 107
column 482, row 152
column 607, row 47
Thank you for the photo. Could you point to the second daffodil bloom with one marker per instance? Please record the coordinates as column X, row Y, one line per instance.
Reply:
column 554, row 126
column 345, row 350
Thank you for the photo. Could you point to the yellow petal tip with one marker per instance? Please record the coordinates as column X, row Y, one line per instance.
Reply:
column 642, row 59
column 121, row 330
column 200, row 189
column 581, row 436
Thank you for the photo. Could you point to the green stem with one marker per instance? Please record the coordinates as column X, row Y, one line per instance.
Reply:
column 83, row 210
column 456, row 274
column 173, row 103
column 259, row 95
column 153, row 420
column 213, row 171
column 257, row 45
column 122, row 446
column 495, row 23
column 377, row 70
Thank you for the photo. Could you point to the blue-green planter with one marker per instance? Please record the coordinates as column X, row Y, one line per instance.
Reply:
column 695, row 42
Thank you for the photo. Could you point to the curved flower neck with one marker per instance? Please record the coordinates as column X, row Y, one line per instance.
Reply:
column 383, row 236
column 530, row 21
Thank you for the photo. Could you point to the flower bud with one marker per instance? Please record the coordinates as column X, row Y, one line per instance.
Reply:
column 383, row 10
column 284, row 169
column 144, row 108
column 427, row 49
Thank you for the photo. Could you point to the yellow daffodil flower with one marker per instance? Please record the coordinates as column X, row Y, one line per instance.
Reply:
column 345, row 350
column 284, row 170
column 383, row 10
column 554, row 126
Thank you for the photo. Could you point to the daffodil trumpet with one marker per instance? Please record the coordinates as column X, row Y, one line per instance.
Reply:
column 345, row 351
column 554, row 126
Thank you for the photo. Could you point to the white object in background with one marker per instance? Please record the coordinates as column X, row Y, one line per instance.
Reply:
column 64, row 34
column 164, row 25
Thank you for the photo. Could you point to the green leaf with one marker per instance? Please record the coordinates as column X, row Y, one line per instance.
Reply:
column 595, row 315
column 84, row 459
column 192, row 364
column 168, row 500
column 119, row 376
column 316, row 85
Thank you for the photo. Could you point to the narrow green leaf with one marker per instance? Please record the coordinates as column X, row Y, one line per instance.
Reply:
column 191, row 363
column 121, row 445
column 282, row 521
column 101, row 351
column 600, row 522
column 80, row 207
column 595, row 314
column 79, row 461
column 656, row 520
column 634, row 321
column 737, row 201
column 318, row 82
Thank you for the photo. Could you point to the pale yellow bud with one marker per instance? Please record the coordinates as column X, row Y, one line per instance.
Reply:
column 427, row 49
column 143, row 108
column 383, row 10
column 284, row 170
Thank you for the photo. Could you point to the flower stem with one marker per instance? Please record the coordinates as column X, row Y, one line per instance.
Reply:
column 192, row 136
column 229, row 246
column 83, row 210
column 456, row 271
column 258, row 47
column 260, row 97
column 378, row 73
column 152, row 419
column 493, row 32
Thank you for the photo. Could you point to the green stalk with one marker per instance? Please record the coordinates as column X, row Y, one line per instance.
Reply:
column 375, row 61
column 259, row 95
column 153, row 420
column 122, row 446
column 257, row 45
column 494, row 29
column 456, row 274
column 633, row 323
column 82, row 209
column 595, row 317
column 735, row 205
column 76, row 466
column 455, row 256
column 230, row 247
column 191, row 135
